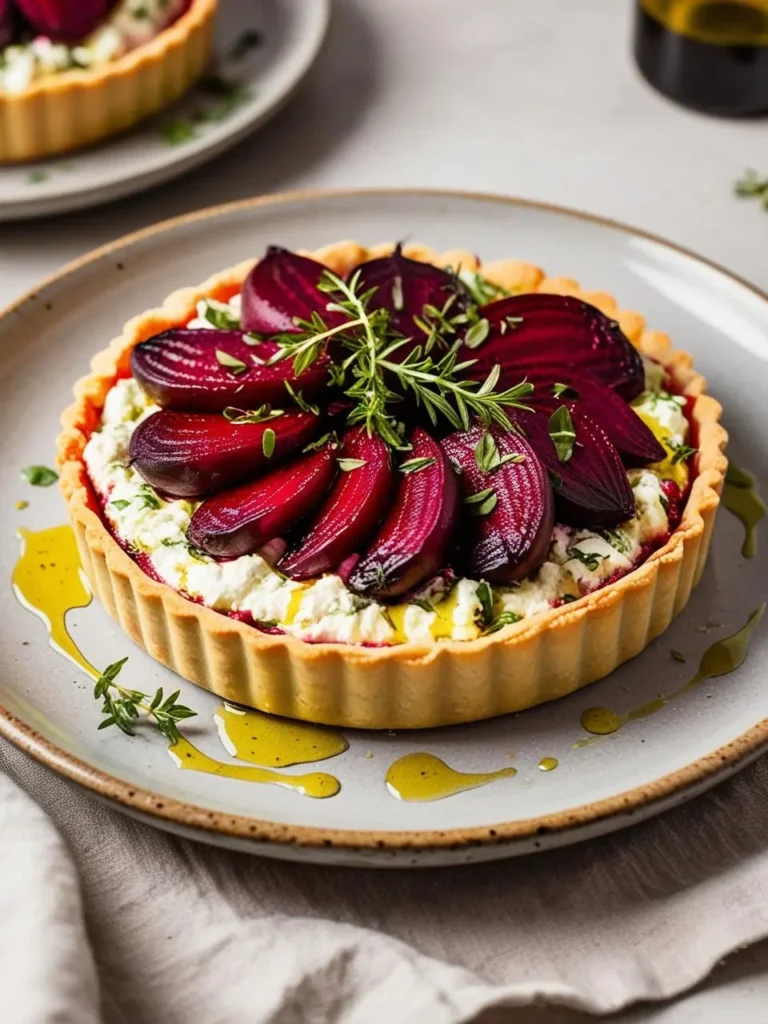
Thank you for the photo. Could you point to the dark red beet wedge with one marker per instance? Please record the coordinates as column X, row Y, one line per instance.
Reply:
column 412, row 543
column 356, row 504
column 511, row 535
column 189, row 455
column 591, row 488
column 185, row 369
column 65, row 22
column 405, row 287
column 7, row 23
column 556, row 331
column 630, row 436
column 282, row 288
column 240, row 521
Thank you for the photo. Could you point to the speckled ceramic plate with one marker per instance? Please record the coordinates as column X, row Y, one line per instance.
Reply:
column 264, row 48
column 651, row 763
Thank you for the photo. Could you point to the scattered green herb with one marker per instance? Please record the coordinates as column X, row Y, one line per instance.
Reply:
column 420, row 602
column 38, row 177
column 591, row 559
column 121, row 504
column 301, row 401
column 482, row 291
column 123, row 708
column 487, row 455
column 321, row 442
column 558, row 390
column 502, row 619
column 681, row 452
column 268, row 442
column 562, row 432
column 223, row 319
column 485, row 597
column 416, row 465
column 177, row 132
column 477, row 333
column 249, row 40
column 347, row 465
column 397, row 294
column 482, row 503
column 752, row 186
column 147, row 498
column 678, row 656
column 229, row 362
column 263, row 414
column 40, row 476
column 617, row 540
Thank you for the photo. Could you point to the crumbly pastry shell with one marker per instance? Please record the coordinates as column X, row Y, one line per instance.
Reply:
column 544, row 657
column 71, row 109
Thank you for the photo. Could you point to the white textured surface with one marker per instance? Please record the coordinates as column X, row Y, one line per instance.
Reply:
column 537, row 99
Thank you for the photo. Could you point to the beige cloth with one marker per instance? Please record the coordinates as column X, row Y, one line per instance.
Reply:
column 177, row 932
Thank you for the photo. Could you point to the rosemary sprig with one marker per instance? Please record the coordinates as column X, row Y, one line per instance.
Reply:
column 365, row 370
column 123, row 707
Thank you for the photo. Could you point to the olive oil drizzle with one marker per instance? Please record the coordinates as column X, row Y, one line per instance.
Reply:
column 316, row 784
column 720, row 659
column 423, row 777
column 743, row 500
column 274, row 742
column 48, row 581
column 548, row 764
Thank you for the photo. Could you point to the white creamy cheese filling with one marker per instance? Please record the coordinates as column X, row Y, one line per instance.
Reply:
column 578, row 561
column 129, row 24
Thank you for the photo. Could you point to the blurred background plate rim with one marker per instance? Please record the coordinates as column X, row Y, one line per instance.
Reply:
column 313, row 19
column 506, row 838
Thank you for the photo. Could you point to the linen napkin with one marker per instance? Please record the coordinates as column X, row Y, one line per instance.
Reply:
column 176, row 931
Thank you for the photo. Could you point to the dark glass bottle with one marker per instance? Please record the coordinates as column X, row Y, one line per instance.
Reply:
column 707, row 54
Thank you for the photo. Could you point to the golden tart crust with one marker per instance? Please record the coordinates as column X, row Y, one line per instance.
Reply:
column 65, row 111
column 409, row 685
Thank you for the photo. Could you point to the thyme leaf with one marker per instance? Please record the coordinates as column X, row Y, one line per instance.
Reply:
column 232, row 363
column 40, row 476
column 562, row 432
column 416, row 465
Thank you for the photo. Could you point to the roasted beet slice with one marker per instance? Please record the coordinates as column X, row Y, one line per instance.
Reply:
column 7, row 23
column 531, row 331
column 407, row 288
column 242, row 520
column 512, row 504
column 281, row 289
column 634, row 440
column 591, row 488
column 411, row 545
column 357, row 502
column 208, row 370
column 64, row 20
column 189, row 455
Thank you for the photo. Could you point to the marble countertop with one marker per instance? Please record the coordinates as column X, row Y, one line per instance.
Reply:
column 532, row 99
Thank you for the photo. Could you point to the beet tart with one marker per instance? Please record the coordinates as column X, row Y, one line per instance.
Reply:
column 390, row 488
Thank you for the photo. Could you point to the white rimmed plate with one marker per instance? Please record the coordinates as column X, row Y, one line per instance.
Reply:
column 45, row 344
column 285, row 35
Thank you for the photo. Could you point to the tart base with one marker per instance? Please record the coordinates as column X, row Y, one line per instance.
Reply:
column 72, row 109
column 407, row 686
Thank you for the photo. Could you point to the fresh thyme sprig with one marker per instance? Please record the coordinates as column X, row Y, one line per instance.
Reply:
column 123, row 707
column 752, row 186
column 365, row 370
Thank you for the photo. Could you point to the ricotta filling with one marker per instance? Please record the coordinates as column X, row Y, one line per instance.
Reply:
column 130, row 24
column 578, row 561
